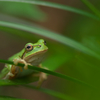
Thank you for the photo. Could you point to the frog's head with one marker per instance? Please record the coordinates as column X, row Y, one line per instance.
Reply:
column 34, row 51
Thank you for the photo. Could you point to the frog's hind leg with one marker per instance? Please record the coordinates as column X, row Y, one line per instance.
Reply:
column 8, row 76
column 12, row 73
column 42, row 76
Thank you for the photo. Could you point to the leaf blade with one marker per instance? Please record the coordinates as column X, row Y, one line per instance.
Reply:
column 51, row 92
column 55, row 5
column 60, row 38
column 23, row 10
column 91, row 7
column 49, row 72
column 10, row 98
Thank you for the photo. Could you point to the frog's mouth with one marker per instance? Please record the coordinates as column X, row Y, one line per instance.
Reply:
column 37, row 57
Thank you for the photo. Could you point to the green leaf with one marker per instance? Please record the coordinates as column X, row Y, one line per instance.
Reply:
column 51, row 92
column 25, row 10
column 55, row 5
column 62, row 39
column 91, row 7
column 20, row 81
column 10, row 98
column 57, row 60
column 46, row 71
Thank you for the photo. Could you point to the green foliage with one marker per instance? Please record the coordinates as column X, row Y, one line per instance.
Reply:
column 83, row 59
column 23, row 10
column 57, row 37
column 51, row 92
column 55, row 5
column 92, row 7
column 10, row 98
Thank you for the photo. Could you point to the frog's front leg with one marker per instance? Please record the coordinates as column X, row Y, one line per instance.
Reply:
column 19, row 60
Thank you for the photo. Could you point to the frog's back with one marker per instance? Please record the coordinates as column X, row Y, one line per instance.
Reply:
column 17, row 55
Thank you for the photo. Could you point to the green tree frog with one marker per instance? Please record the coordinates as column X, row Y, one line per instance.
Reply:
column 32, row 54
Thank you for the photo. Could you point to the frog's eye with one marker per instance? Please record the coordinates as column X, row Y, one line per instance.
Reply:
column 29, row 47
column 45, row 42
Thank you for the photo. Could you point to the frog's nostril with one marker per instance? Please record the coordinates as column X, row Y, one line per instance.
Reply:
column 45, row 42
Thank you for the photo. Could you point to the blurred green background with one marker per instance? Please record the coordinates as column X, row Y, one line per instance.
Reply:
column 61, row 58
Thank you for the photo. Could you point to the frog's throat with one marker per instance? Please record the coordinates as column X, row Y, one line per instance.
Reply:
column 37, row 53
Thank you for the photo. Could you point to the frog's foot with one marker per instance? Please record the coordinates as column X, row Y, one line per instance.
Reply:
column 16, row 61
column 9, row 75
column 42, row 78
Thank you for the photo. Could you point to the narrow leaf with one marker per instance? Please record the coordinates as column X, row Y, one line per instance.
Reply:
column 55, row 5
column 51, row 92
column 23, row 10
column 10, row 98
column 13, row 82
column 62, row 39
column 48, row 72
column 91, row 7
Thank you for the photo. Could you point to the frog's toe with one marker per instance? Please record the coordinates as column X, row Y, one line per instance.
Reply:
column 26, row 67
column 15, row 61
column 11, row 74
